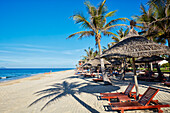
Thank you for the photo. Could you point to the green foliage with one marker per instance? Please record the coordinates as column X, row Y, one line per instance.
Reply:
column 155, row 21
column 97, row 23
column 165, row 65
column 90, row 54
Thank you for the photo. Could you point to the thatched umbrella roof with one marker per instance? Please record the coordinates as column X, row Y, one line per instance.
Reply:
column 96, row 62
column 148, row 59
column 137, row 46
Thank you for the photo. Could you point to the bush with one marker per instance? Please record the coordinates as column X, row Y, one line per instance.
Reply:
column 165, row 65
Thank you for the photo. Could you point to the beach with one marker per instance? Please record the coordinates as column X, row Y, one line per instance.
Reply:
column 64, row 92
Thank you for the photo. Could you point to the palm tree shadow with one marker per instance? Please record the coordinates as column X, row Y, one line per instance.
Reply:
column 60, row 90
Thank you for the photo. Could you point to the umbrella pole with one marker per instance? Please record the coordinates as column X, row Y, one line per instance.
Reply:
column 151, row 66
column 135, row 78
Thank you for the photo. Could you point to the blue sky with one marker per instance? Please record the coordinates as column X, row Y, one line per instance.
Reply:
column 33, row 32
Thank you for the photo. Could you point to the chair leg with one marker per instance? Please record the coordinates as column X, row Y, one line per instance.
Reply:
column 122, row 110
column 109, row 99
column 160, row 111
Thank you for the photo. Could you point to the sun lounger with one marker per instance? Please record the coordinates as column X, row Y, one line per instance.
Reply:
column 167, row 83
column 98, row 80
column 149, row 76
column 89, row 75
column 122, row 96
column 143, row 103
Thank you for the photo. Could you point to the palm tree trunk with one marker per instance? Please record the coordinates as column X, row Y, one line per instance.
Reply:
column 105, row 78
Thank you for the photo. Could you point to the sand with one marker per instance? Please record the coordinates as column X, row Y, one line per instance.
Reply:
column 62, row 92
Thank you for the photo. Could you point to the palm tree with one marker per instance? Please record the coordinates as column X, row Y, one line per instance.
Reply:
column 162, row 15
column 155, row 21
column 97, row 25
column 90, row 54
column 109, row 45
column 144, row 19
column 120, row 36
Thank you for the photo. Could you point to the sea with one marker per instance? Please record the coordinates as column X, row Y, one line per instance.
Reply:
column 7, row 74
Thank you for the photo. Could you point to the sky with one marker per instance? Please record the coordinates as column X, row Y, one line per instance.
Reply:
column 33, row 32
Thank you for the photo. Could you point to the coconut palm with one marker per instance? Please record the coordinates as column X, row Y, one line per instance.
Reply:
column 90, row 54
column 97, row 25
column 120, row 36
column 155, row 21
column 109, row 45
column 117, row 38
column 161, row 9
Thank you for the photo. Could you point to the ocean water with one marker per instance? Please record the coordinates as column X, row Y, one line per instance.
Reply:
column 18, row 73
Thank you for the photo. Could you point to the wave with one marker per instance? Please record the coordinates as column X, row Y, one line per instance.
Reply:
column 5, row 77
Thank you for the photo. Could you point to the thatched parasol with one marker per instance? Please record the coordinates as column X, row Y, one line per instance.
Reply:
column 96, row 61
column 136, row 46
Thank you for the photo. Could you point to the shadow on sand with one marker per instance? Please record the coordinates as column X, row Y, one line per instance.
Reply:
column 59, row 90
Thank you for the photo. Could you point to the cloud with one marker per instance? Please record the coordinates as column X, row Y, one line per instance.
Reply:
column 34, row 49
column 72, row 52
column 9, row 60
column 4, row 51
column 24, row 47
column 34, row 46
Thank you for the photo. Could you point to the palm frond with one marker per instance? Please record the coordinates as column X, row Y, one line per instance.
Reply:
column 91, row 9
column 110, row 33
column 102, row 9
column 143, row 9
column 115, row 21
column 86, row 34
column 159, row 20
column 167, row 10
column 113, row 26
column 111, row 13
column 140, row 27
column 79, row 18
column 126, row 32
column 116, row 39
column 82, row 33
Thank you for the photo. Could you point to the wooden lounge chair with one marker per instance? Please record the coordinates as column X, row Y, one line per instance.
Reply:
column 89, row 75
column 167, row 83
column 143, row 103
column 98, row 80
column 122, row 96
column 149, row 76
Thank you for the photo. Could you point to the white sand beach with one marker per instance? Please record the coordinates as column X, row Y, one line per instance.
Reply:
column 63, row 92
